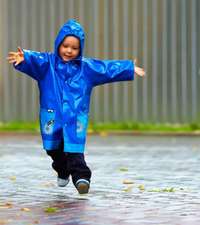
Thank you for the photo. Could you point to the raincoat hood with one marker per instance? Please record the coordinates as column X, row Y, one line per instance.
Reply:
column 70, row 28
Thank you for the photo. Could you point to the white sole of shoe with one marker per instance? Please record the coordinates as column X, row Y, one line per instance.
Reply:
column 62, row 182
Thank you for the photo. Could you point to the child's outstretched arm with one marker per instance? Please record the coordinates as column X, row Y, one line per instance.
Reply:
column 30, row 62
column 107, row 71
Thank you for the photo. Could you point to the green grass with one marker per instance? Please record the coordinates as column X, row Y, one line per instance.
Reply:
column 145, row 127
column 99, row 127
column 20, row 126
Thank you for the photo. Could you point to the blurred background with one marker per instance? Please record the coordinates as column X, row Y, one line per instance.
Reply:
column 162, row 34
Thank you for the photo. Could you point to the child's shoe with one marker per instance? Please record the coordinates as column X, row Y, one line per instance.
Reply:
column 82, row 186
column 62, row 182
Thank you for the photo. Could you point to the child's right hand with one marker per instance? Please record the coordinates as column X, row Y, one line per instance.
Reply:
column 16, row 57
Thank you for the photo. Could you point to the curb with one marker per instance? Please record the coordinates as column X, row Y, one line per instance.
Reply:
column 109, row 133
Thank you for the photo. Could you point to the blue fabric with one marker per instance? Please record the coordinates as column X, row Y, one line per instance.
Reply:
column 65, row 88
column 51, row 144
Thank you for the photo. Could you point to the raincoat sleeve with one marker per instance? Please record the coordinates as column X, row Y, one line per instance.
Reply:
column 35, row 64
column 107, row 71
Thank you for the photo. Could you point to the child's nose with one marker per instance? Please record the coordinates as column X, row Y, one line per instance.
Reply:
column 69, row 50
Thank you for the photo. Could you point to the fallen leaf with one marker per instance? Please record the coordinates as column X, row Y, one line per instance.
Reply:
column 90, row 131
column 141, row 187
column 51, row 210
column 168, row 190
column 9, row 204
column 128, row 188
column 103, row 134
column 123, row 169
column 162, row 190
column 6, row 205
column 155, row 190
column 34, row 222
column 25, row 209
column 48, row 184
column 13, row 178
column 127, row 181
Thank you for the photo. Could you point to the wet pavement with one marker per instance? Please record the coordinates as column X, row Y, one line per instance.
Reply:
column 136, row 180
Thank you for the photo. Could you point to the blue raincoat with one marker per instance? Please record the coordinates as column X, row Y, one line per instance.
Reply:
column 65, row 89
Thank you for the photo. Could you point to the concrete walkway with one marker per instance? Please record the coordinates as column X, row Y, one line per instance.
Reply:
column 136, row 181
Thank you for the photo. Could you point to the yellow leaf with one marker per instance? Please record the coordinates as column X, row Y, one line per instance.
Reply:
column 168, row 189
column 90, row 131
column 48, row 184
column 25, row 209
column 13, row 178
column 155, row 190
column 163, row 190
column 128, row 188
column 127, row 181
column 103, row 134
column 141, row 187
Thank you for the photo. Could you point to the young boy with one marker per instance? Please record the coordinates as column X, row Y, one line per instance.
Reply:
column 65, row 79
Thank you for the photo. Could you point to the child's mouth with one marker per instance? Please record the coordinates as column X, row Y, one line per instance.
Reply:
column 67, row 57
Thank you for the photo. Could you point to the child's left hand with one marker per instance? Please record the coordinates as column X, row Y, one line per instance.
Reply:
column 139, row 71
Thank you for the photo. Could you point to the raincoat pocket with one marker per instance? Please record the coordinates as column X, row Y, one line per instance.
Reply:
column 81, row 126
column 47, row 121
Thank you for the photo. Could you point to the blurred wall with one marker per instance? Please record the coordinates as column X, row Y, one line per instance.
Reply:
column 162, row 34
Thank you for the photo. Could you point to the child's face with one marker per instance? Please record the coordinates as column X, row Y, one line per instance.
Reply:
column 69, row 48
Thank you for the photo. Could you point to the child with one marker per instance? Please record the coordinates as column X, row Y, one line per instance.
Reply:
column 65, row 79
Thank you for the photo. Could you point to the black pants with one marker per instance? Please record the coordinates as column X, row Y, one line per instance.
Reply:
column 73, row 164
